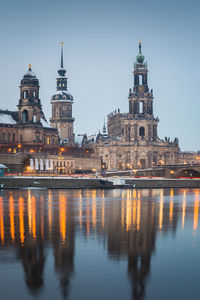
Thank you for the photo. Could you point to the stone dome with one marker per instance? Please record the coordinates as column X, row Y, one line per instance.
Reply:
column 62, row 96
column 29, row 78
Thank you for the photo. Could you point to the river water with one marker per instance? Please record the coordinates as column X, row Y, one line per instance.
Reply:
column 100, row 244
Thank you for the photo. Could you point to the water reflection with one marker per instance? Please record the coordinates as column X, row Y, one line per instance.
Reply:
column 32, row 221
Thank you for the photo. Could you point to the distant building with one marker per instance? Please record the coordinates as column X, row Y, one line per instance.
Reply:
column 61, row 103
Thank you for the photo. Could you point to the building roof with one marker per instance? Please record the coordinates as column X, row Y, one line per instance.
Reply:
column 2, row 166
column 6, row 118
column 62, row 95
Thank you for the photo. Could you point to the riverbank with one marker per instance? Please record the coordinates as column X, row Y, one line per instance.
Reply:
column 94, row 183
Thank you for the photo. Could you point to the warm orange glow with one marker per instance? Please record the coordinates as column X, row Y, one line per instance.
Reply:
column 197, row 157
column 28, row 169
column 196, row 210
column 161, row 210
column 94, row 211
column 12, row 217
column 62, row 213
column 128, row 214
column 50, row 212
column 19, row 145
column 33, row 220
column 138, row 213
column 183, row 208
column 29, row 212
column 21, row 219
column 32, row 151
column 1, row 220
column 172, row 172
column 9, row 149
column 134, row 212
column 171, row 207
column 62, row 149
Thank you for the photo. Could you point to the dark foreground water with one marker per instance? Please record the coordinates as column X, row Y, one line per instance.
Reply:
column 99, row 244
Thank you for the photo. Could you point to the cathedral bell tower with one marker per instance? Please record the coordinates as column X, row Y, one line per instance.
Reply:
column 61, row 103
column 141, row 100
column 29, row 107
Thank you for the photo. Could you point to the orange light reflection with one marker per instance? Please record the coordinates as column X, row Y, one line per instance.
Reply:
column 12, row 217
column 21, row 219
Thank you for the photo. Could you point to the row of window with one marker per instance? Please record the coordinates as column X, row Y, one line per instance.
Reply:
column 31, row 94
column 7, row 137
column 63, row 164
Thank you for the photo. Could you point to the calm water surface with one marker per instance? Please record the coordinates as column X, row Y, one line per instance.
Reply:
column 100, row 244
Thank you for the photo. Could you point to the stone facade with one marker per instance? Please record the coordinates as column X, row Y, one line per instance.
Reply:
column 132, row 141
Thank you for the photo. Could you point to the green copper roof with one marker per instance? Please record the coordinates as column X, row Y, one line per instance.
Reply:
column 140, row 57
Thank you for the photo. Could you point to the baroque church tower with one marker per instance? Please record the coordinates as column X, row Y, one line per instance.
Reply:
column 141, row 104
column 62, row 102
column 133, row 141
column 29, row 107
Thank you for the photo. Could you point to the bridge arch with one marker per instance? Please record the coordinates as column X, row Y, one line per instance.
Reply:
column 187, row 172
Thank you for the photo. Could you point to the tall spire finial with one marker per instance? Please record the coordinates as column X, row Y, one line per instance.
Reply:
column 61, row 65
column 104, row 126
column 140, row 47
column 29, row 67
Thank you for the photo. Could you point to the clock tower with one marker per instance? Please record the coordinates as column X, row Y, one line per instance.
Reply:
column 61, row 103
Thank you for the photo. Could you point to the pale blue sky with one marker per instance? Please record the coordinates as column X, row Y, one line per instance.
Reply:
column 100, row 46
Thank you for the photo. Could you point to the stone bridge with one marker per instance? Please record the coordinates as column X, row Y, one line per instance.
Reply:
column 172, row 171
column 167, row 171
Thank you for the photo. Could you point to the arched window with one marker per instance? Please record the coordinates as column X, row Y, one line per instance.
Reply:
column 34, row 94
column 13, row 137
column 8, row 137
column 141, row 107
column 25, row 116
column 2, row 136
column 140, row 79
column 37, row 138
column 25, row 94
column 142, row 131
column 34, row 118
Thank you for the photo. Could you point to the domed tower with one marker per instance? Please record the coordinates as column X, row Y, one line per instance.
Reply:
column 62, row 102
column 141, row 101
column 29, row 107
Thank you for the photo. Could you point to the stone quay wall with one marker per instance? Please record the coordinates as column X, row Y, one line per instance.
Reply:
column 163, row 183
column 54, row 183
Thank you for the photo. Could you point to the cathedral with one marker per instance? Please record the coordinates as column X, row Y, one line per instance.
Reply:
column 132, row 141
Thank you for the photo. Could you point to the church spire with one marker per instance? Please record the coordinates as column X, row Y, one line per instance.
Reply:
column 140, row 57
column 104, row 126
column 62, row 70
column 61, row 65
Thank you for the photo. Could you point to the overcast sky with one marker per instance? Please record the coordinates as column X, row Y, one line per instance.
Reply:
column 100, row 45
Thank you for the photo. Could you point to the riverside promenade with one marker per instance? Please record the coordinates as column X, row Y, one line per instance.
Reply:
column 57, row 182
